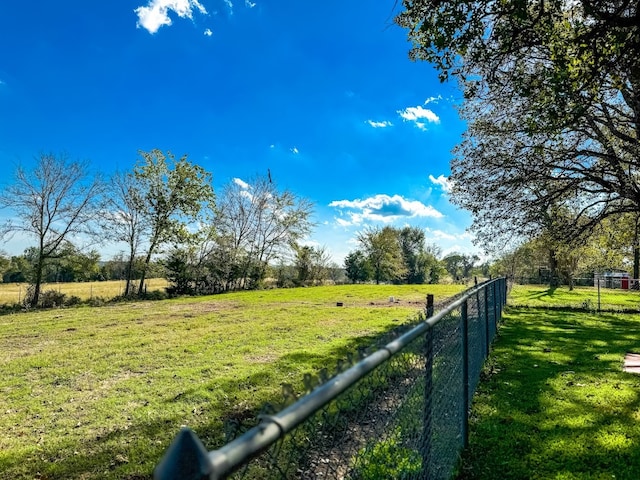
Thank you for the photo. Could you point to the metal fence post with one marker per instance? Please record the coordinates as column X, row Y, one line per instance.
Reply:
column 186, row 459
column 464, row 315
column 430, row 305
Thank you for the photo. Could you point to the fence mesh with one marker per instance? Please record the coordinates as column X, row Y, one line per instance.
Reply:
column 404, row 419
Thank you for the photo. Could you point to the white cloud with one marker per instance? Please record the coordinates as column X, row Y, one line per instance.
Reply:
column 295, row 150
column 441, row 235
column 416, row 114
column 249, row 4
column 441, row 180
column 156, row 13
column 229, row 4
column 383, row 124
column 381, row 208
column 208, row 32
column 433, row 100
column 242, row 184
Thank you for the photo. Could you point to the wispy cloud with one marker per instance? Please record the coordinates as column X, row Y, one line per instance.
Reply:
column 452, row 241
column 383, row 124
column 417, row 115
column 381, row 208
column 433, row 100
column 242, row 184
column 442, row 181
column 295, row 150
column 156, row 13
column 229, row 4
column 249, row 4
column 208, row 32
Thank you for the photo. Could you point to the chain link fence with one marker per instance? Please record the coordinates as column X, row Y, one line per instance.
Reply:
column 400, row 411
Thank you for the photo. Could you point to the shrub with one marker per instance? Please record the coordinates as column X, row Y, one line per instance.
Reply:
column 72, row 301
column 51, row 299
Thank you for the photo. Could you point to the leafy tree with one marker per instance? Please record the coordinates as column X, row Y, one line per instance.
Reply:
column 384, row 252
column 412, row 245
column 70, row 264
column 19, row 270
column 357, row 267
column 311, row 264
column 171, row 194
column 421, row 263
column 180, row 272
column 453, row 265
column 552, row 103
column 5, row 263
column 54, row 202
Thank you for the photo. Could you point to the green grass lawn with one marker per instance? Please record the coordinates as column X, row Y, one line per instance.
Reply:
column 88, row 393
column 579, row 297
column 553, row 402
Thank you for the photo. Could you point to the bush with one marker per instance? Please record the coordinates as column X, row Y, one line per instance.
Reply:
column 72, row 301
column 51, row 299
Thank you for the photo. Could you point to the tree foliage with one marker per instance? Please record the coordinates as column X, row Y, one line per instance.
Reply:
column 552, row 101
column 395, row 255
column 171, row 195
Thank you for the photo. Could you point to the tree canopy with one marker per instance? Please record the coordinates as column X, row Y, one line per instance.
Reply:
column 552, row 102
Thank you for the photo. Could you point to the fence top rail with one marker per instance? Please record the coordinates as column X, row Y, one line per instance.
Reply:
column 218, row 463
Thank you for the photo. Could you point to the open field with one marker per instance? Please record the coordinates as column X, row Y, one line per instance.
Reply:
column 553, row 402
column 89, row 393
column 579, row 297
column 11, row 293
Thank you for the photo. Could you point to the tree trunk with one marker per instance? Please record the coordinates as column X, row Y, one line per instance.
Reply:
column 143, row 275
column 33, row 302
column 553, row 268
column 127, row 287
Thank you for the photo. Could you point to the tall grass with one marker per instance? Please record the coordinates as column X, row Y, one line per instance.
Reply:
column 13, row 293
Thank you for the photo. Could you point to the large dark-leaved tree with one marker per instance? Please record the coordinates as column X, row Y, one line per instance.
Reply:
column 552, row 103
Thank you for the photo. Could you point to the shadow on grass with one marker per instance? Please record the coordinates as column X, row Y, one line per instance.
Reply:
column 553, row 401
column 540, row 295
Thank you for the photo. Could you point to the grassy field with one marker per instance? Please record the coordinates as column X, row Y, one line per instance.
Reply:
column 554, row 402
column 88, row 393
column 579, row 297
column 11, row 293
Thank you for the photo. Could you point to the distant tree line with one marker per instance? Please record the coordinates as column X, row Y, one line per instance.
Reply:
column 401, row 255
column 164, row 210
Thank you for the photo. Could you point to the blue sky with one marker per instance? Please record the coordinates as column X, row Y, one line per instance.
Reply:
column 320, row 93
